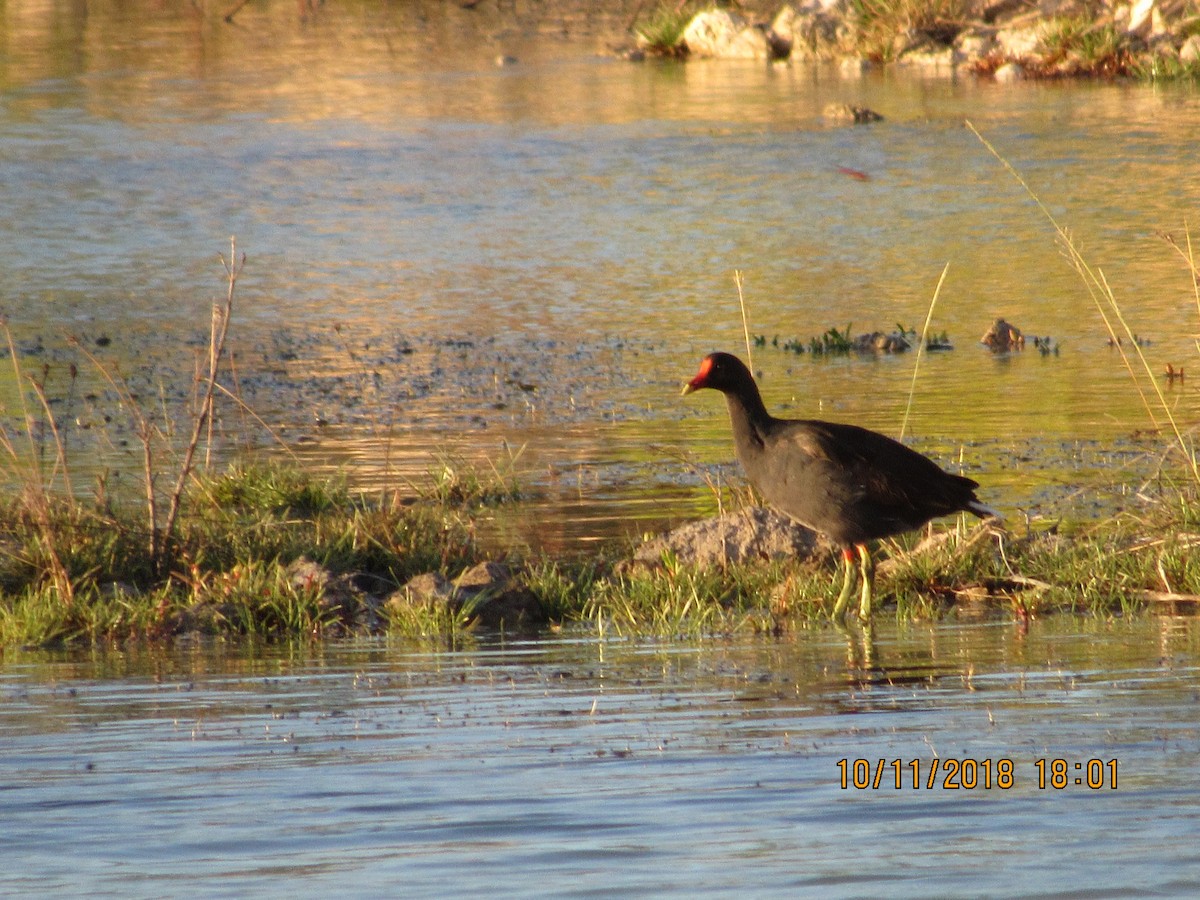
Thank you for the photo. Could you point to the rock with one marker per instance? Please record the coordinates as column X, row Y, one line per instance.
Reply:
column 943, row 58
column 336, row 593
column 975, row 44
column 715, row 33
column 489, row 591
column 1190, row 51
column 304, row 574
column 1017, row 43
column 847, row 114
column 430, row 586
column 1009, row 72
column 748, row 535
column 1145, row 20
column 1002, row 336
column 813, row 32
column 878, row 342
column 854, row 67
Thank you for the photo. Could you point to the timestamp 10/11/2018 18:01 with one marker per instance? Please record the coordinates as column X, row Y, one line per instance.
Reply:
column 973, row 774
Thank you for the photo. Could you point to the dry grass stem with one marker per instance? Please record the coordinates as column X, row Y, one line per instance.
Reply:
column 912, row 388
column 737, row 279
column 203, row 416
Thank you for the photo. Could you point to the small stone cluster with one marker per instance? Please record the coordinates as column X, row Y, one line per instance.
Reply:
column 1007, row 39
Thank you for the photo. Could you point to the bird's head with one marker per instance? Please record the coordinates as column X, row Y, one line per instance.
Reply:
column 721, row 372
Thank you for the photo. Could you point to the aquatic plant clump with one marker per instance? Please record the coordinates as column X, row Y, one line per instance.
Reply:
column 834, row 342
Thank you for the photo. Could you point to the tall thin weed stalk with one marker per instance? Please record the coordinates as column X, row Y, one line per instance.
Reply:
column 739, row 281
column 202, row 416
column 912, row 387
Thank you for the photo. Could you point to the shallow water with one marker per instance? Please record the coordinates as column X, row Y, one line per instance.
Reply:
column 583, row 767
column 449, row 255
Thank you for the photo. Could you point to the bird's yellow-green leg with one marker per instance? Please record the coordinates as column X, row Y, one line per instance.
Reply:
column 868, row 581
column 843, row 600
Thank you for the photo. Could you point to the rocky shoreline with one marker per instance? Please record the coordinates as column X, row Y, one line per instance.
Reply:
column 1007, row 40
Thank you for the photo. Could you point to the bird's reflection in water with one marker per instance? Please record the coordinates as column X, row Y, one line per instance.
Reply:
column 860, row 651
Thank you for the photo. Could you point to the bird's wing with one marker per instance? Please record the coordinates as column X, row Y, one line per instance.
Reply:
column 888, row 473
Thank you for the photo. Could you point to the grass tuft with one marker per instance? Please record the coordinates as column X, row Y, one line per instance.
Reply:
column 660, row 32
column 455, row 481
column 884, row 28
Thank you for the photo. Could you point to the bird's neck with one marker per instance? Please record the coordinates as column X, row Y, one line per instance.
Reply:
column 748, row 414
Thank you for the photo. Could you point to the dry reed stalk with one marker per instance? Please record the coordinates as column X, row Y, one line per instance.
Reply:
column 912, row 388
column 737, row 279
column 202, row 417
column 36, row 493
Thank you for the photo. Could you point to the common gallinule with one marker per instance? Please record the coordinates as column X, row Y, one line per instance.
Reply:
column 850, row 484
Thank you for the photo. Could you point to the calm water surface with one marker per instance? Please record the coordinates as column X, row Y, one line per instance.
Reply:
column 450, row 256
column 447, row 255
column 585, row 767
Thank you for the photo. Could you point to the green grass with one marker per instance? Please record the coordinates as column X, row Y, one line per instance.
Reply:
column 239, row 533
column 1158, row 68
column 660, row 30
column 267, row 552
column 1078, row 45
column 880, row 24
column 455, row 481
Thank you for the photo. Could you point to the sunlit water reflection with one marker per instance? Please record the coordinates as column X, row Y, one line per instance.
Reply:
column 577, row 767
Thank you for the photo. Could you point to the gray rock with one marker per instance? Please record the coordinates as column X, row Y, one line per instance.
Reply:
column 811, row 32
column 1018, row 43
column 848, row 114
column 336, row 593
column 975, row 44
column 748, row 535
column 1009, row 72
column 1190, row 51
column 489, row 591
column 304, row 574
column 1002, row 336
column 715, row 33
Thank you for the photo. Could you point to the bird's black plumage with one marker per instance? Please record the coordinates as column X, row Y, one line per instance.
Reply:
column 851, row 484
